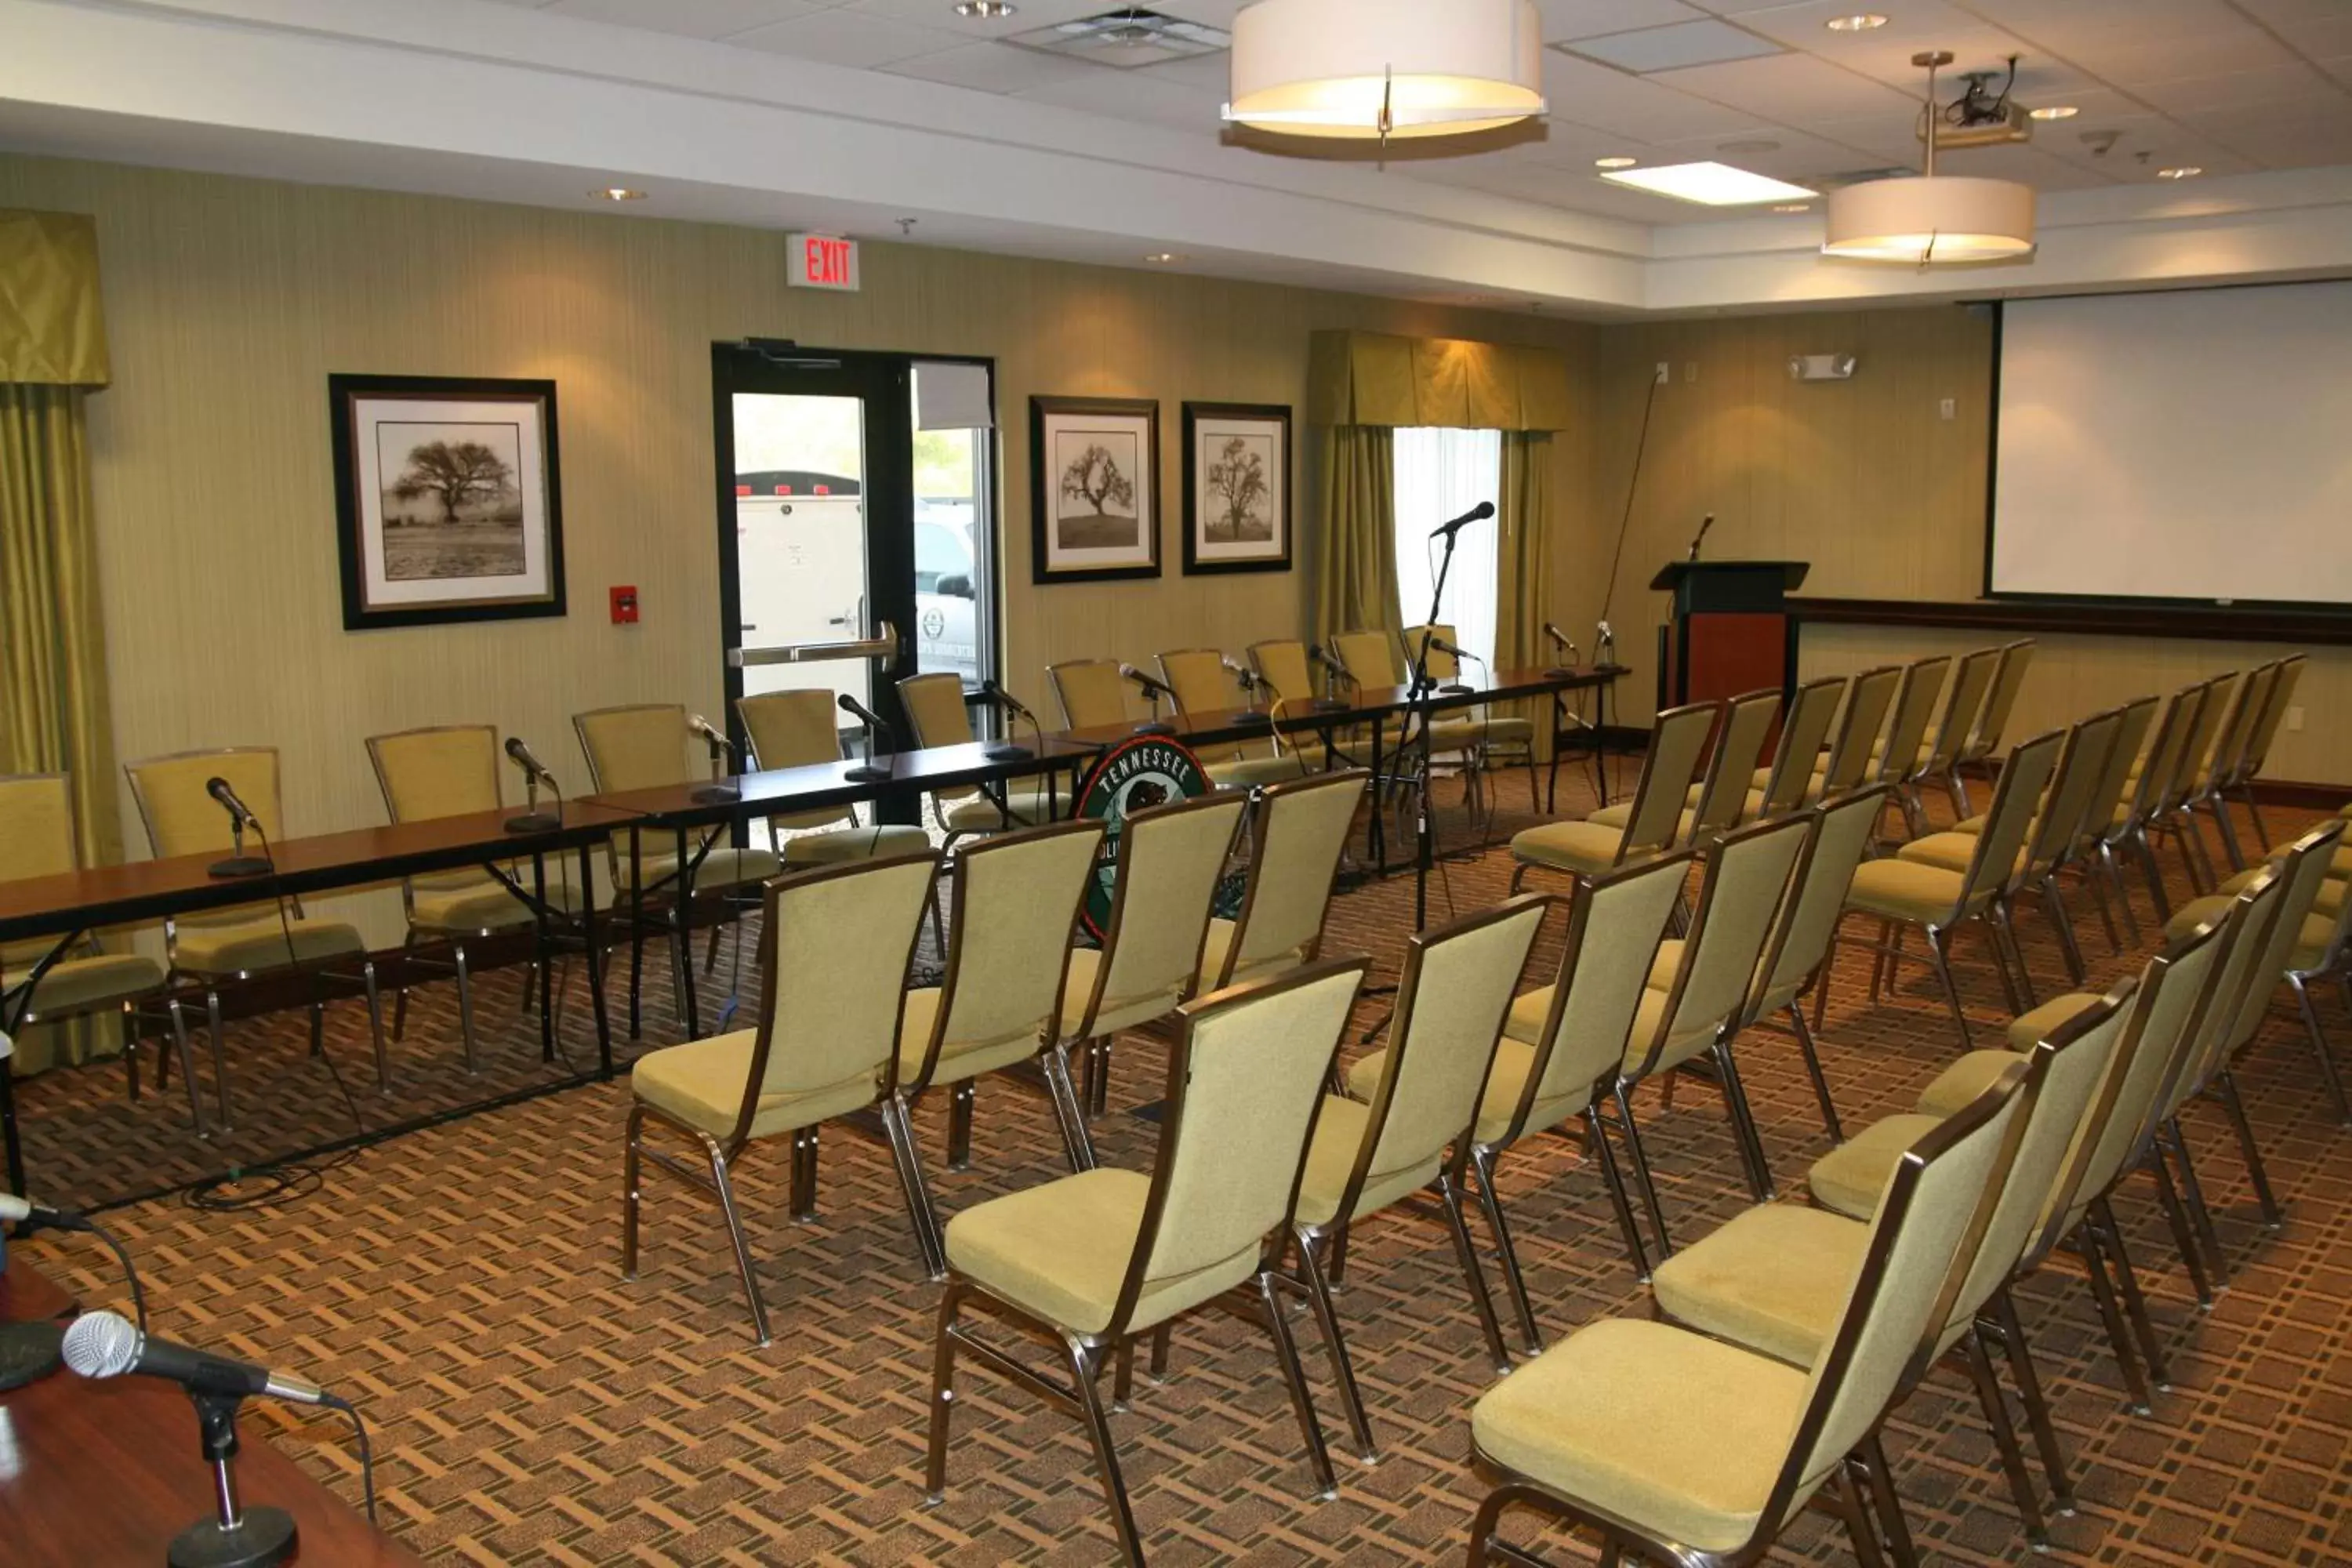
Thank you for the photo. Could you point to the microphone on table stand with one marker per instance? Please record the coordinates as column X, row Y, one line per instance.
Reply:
column 534, row 773
column 1454, row 688
column 240, row 817
column 1155, row 689
column 1316, row 653
column 866, row 772
column 105, row 1344
column 1479, row 513
column 1248, row 718
column 713, row 793
column 1008, row 750
column 1704, row 523
column 1564, row 648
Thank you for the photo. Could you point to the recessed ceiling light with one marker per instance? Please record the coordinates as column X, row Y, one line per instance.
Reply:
column 2183, row 172
column 986, row 10
column 2055, row 112
column 1715, row 184
column 618, row 194
column 1614, row 162
column 1860, row 22
column 1792, row 206
column 1164, row 257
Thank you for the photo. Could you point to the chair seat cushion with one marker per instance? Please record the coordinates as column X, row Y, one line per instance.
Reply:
column 2028, row 1030
column 977, row 814
column 1506, row 730
column 1679, row 1434
column 1117, row 1012
column 1243, row 773
column 242, row 947
column 1530, row 1008
column 1584, row 848
column 1507, row 1080
column 1904, row 890
column 1617, row 816
column 2310, row 943
column 701, row 1084
column 722, row 867
column 1331, row 1160
column 84, row 984
column 835, row 846
column 481, row 905
column 1851, row 1177
column 2330, row 901
column 1060, row 1251
column 1664, row 967
column 1961, row 1083
column 959, row 1060
column 1951, row 852
column 1219, row 940
column 1774, row 1279
column 1970, row 823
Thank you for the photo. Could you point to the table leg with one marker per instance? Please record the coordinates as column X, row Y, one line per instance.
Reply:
column 546, row 960
column 637, row 929
column 595, row 961
column 683, row 953
column 1376, row 836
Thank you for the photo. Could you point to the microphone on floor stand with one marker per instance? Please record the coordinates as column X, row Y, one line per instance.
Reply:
column 1155, row 689
column 240, row 817
column 534, row 773
column 713, row 793
column 866, row 772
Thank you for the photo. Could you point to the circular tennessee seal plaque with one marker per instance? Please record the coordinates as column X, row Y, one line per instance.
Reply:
column 1134, row 775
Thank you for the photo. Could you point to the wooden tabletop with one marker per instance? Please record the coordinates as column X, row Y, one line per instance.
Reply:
column 780, row 791
column 108, row 1471
column 1362, row 704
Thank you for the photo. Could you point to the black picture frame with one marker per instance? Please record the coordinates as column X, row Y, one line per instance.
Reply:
column 1276, row 417
column 354, row 403
column 1130, row 423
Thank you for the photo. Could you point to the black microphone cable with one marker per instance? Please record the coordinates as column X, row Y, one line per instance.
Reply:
column 367, row 1449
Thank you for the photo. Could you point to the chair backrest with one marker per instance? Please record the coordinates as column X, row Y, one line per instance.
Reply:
column 2058, row 826
column 2248, row 702
column 180, row 819
column 640, row 746
column 1746, row 725
column 1245, row 1087
column 1169, row 860
column 37, row 838
column 1089, row 691
column 2007, row 680
column 1915, row 708
column 2024, row 774
column 1371, row 656
column 1842, row 830
column 1615, row 922
column 1791, row 780
column 836, row 945
column 2302, row 870
column 1745, row 877
column 1300, row 827
column 1971, row 679
column 1441, row 664
column 2181, row 780
column 450, row 770
column 935, row 708
column 1283, row 663
column 1923, row 1238
column 794, row 728
column 1203, row 683
column 2163, row 759
column 2254, row 916
column 1671, row 766
column 1866, row 701
column 2266, row 728
column 2111, row 795
column 1017, row 910
column 1451, row 1002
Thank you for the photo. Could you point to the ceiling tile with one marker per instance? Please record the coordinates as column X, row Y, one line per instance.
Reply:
column 1650, row 49
column 2282, row 140
column 694, row 18
column 848, row 38
column 2171, row 59
column 1797, row 90
column 991, row 68
column 1916, row 23
column 1216, row 13
column 1131, row 95
column 1585, row 92
column 2272, row 85
column 1795, row 157
column 941, row 13
column 2322, row 37
column 1590, row 18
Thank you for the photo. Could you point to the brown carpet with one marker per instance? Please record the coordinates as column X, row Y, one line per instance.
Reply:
column 530, row 1406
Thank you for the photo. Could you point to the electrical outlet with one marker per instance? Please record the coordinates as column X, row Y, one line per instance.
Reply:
column 1950, row 408
column 2295, row 719
column 1690, row 370
column 1665, row 372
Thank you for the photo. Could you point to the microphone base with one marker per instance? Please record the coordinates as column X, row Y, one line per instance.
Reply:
column 1155, row 728
column 263, row 1536
column 1006, row 752
column 1559, row 672
column 1248, row 720
column 865, row 773
column 716, row 795
column 239, row 866
column 1453, row 689
column 1327, row 705
column 534, row 822
column 30, row 1352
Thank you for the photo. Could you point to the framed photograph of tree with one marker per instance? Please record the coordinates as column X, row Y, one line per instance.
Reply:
column 447, row 501
column 1236, row 487
column 1093, row 489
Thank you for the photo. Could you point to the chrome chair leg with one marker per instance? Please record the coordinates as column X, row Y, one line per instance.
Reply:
column 220, row 1059
column 375, row 1027
column 2037, row 1405
column 2053, row 903
column 1743, row 1125
column 2168, row 1197
column 959, row 1103
column 930, row 1250
column 465, row 1009
column 742, row 1243
column 631, row 1189
column 2225, row 1087
column 1879, row 1477
column 800, row 1200
column 2115, row 873
column 2103, row 1293
column 2300, row 981
column 1086, row 1366
column 188, row 1067
column 943, row 1359
column 1302, row 1404
column 1069, row 1110
column 1327, row 1322
column 1467, row 1252
column 1613, row 1179
column 2111, row 1240
column 1995, row 1405
column 1490, row 1200
column 2199, row 1212
column 1642, row 1169
column 1813, row 1067
column 1938, row 942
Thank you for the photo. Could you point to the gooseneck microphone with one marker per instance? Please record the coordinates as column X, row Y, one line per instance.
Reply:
column 1007, row 750
column 865, row 772
column 1155, row 689
column 105, row 1344
column 240, row 817
column 534, row 773
column 713, row 793
column 1479, row 513
column 1704, row 523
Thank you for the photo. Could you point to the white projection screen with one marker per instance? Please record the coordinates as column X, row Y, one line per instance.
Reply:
column 2193, row 445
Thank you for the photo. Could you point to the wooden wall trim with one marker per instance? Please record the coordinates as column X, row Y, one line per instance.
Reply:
column 2078, row 619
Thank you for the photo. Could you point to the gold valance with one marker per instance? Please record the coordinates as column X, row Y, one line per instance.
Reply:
column 52, row 331
column 1372, row 378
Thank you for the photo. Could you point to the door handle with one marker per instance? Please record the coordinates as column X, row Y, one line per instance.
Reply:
column 884, row 645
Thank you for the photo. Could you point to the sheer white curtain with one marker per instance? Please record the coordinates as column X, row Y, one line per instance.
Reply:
column 1442, row 474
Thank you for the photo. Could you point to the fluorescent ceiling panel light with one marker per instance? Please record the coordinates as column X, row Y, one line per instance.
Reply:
column 1711, row 184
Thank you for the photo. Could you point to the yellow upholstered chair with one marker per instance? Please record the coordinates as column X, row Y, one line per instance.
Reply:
column 1896, row 760
column 2250, row 700
column 1499, row 737
column 1089, row 691
column 2169, row 812
column 451, row 770
column 1411, row 1131
column 1964, row 700
column 1203, row 685
column 795, row 729
column 836, row 945
column 1169, row 860
column 2126, row 831
column 1091, row 1261
column 1859, row 728
column 1675, row 1447
column 1296, row 833
column 2257, row 745
column 39, row 839
column 1655, row 820
column 2001, row 702
column 1374, row 661
column 2110, row 799
column 222, row 950
column 1901, row 893
column 1283, row 664
column 935, row 710
column 1719, row 801
column 1786, row 785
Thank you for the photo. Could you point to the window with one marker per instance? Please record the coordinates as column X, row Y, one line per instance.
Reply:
column 1441, row 474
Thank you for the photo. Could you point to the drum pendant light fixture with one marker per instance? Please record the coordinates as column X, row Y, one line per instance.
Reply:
column 1383, row 69
column 1928, row 218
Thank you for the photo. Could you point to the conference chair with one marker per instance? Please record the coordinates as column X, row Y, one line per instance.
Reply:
column 470, row 912
column 1091, row 1261
column 795, row 729
column 1169, row 861
column 1719, row 800
column 644, row 745
column 2258, row 748
column 245, row 950
column 1899, row 756
column 1374, row 662
column 936, row 712
column 1788, row 784
column 1411, row 1133
column 2249, row 700
column 1964, row 701
column 2128, row 829
column 1677, row 744
column 1901, row 893
column 1562, row 1068
column 2169, row 812
column 2111, row 800
column 2323, row 952
column 1204, row 686
column 1674, row 1447
column 39, row 837
column 1090, row 692
column 1867, row 700
column 1008, row 964
column 1283, row 665
column 1499, row 735
column 1992, row 724
column 835, row 944
column 1296, row 831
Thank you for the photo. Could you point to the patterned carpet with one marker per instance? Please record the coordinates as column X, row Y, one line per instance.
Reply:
column 530, row 1406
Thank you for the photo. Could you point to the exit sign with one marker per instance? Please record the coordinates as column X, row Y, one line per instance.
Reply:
column 822, row 261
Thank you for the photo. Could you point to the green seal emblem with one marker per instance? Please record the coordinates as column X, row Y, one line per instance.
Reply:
column 1133, row 776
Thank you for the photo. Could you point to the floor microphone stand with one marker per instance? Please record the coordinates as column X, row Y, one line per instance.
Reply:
column 1420, row 703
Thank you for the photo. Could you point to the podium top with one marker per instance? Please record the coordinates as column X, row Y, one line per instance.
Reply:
column 1791, row 573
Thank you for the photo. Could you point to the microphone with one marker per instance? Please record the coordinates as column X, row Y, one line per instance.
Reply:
column 105, row 1344
column 1562, row 646
column 239, row 812
column 1479, row 513
column 1248, row 718
column 14, row 1210
column 1006, row 700
column 708, row 731
column 865, row 772
column 534, row 773
column 240, row 817
column 1007, row 750
column 1431, row 640
column 532, row 768
column 712, row 794
column 1704, row 523
column 1315, row 655
column 1155, row 689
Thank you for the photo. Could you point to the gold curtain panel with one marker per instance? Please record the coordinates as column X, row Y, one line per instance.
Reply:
column 1371, row 378
column 52, row 331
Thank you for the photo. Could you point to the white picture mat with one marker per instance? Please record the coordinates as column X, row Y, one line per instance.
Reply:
column 1209, row 433
column 531, row 480
column 1129, row 438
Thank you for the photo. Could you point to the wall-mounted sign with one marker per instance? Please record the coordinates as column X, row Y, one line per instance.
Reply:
column 821, row 261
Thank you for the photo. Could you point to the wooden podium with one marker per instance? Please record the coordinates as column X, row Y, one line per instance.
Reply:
column 1730, row 631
